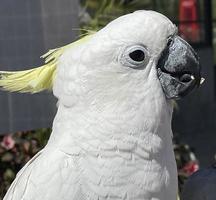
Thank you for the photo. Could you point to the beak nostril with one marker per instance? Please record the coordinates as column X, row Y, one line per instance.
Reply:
column 186, row 78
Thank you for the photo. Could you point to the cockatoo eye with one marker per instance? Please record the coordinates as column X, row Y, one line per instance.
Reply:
column 135, row 56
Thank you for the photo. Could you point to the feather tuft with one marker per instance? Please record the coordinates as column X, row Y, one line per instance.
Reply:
column 36, row 79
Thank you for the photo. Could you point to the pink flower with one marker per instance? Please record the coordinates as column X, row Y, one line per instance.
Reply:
column 8, row 142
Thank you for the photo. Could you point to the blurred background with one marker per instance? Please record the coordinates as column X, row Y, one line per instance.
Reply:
column 29, row 29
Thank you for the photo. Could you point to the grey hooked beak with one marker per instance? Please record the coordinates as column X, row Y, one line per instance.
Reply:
column 178, row 69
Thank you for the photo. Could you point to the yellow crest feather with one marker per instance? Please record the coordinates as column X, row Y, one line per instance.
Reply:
column 36, row 79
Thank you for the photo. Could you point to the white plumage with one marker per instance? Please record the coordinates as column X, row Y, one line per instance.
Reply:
column 112, row 135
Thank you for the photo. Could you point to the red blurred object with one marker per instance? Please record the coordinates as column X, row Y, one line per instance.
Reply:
column 190, row 168
column 189, row 28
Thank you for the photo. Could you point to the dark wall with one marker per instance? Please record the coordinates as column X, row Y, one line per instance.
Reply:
column 27, row 30
column 194, row 121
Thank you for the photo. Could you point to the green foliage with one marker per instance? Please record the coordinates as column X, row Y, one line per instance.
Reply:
column 101, row 12
column 96, row 14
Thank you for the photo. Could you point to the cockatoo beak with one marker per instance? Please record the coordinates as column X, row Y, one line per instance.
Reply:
column 179, row 69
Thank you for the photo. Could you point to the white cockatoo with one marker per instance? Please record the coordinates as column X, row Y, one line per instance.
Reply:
column 111, row 137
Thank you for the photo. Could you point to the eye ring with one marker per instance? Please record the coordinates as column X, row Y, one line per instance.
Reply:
column 135, row 56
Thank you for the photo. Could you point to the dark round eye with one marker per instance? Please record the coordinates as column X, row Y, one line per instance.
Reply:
column 137, row 55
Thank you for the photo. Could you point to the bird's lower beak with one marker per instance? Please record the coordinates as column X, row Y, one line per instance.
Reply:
column 178, row 69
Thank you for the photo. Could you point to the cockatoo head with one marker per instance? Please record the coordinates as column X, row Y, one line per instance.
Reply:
column 136, row 56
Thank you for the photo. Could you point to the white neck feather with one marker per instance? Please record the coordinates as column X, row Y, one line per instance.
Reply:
column 127, row 126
